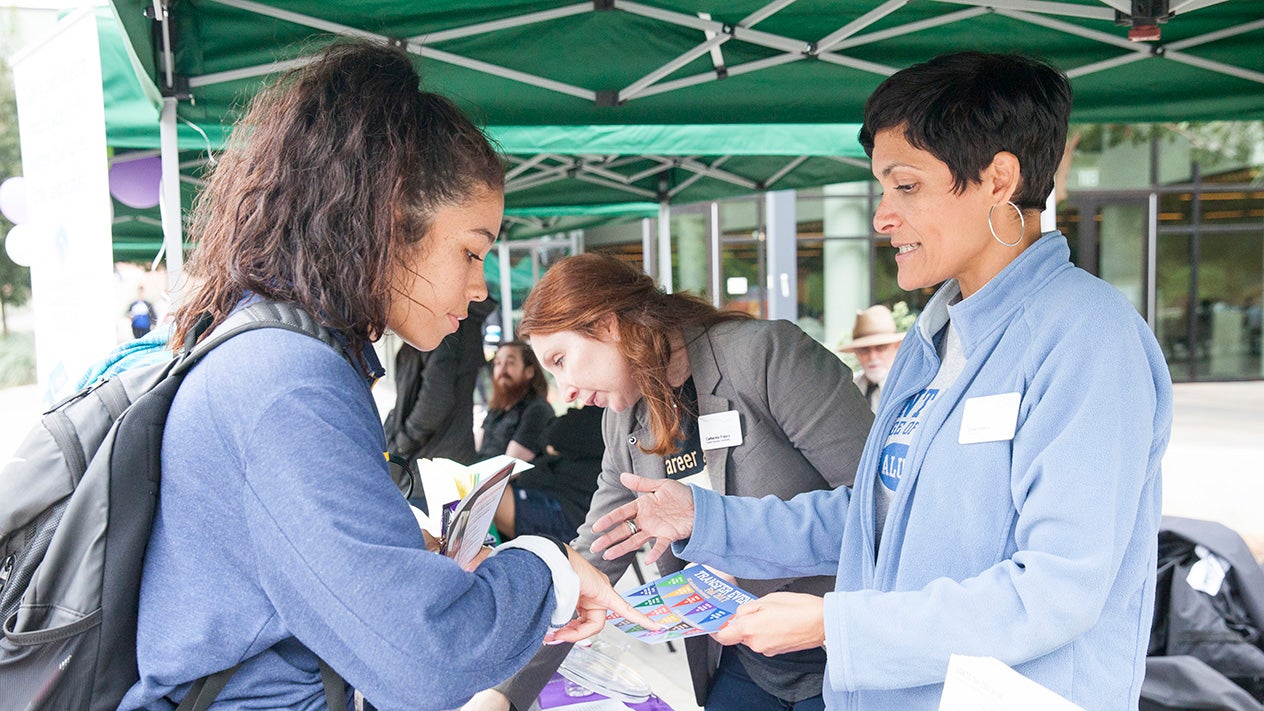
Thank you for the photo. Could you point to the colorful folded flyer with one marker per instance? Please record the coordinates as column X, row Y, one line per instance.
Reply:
column 689, row 603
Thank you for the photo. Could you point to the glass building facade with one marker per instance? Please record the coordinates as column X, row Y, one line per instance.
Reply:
column 1180, row 235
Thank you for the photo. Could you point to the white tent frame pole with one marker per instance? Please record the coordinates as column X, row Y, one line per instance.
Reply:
column 300, row 19
column 631, row 90
column 764, row 13
column 827, row 42
column 717, row 257
column 784, row 170
column 910, row 28
column 414, row 47
column 172, row 227
column 505, row 24
column 1068, row 28
column 712, row 171
column 249, row 72
column 1143, row 51
column 766, row 39
column 1031, row 11
column 848, row 160
column 647, row 246
column 862, row 65
column 534, row 181
column 506, row 292
column 607, row 174
column 671, row 194
column 1214, row 36
column 733, row 71
column 1045, row 8
column 1214, row 66
column 524, row 166
column 664, row 164
column 503, row 72
column 664, row 247
column 1107, row 64
column 1191, row 5
column 589, row 178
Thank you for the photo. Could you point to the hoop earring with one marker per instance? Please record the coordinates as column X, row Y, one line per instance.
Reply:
column 1022, row 221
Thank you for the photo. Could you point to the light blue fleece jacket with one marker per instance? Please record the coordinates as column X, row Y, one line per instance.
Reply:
column 1039, row 551
column 280, row 534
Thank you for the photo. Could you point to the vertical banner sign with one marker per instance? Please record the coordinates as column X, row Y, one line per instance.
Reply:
column 61, row 120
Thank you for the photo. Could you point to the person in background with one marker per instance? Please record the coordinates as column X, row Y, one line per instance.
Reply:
column 874, row 341
column 519, row 409
column 279, row 541
column 1008, row 500
column 743, row 406
column 142, row 314
column 434, row 395
column 553, row 496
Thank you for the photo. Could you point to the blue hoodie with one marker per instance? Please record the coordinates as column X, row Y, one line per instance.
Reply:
column 280, row 536
column 1039, row 551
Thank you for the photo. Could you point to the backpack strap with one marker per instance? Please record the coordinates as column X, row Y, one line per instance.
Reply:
column 203, row 692
column 262, row 314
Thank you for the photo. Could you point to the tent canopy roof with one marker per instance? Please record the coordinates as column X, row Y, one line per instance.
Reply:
column 719, row 61
column 604, row 107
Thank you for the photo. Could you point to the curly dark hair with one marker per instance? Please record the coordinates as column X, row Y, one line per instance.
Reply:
column 332, row 176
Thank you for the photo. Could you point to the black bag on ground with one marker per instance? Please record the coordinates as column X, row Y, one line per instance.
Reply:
column 1206, row 648
column 76, row 506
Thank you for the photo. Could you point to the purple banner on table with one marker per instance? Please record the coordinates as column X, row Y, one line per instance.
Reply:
column 554, row 696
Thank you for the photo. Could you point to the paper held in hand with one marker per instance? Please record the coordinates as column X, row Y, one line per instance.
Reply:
column 692, row 602
column 462, row 501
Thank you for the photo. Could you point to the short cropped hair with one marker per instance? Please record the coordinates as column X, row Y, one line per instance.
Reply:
column 966, row 107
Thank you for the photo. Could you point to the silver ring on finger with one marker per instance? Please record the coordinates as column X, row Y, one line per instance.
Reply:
column 632, row 529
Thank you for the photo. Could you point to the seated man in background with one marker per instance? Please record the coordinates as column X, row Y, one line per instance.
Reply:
column 553, row 498
column 519, row 409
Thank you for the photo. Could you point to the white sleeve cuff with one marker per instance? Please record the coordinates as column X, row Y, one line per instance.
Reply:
column 565, row 581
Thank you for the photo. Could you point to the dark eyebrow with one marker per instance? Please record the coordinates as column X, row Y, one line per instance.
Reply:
column 491, row 237
column 887, row 170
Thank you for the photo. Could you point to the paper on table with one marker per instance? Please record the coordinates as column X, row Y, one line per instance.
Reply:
column 987, row 684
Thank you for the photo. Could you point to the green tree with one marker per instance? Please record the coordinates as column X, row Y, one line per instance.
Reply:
column 15, row 281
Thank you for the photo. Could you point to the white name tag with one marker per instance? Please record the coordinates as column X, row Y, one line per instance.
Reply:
column 702, row 479
column 992, row 418
column 723, row 429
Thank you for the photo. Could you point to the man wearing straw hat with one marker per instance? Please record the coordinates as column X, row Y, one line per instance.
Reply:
column 874, row 340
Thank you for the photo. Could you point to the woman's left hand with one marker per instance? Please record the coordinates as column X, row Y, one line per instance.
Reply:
column 777, row 623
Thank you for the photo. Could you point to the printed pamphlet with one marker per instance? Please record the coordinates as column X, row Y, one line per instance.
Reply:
column 462, row 501
column 689, row 603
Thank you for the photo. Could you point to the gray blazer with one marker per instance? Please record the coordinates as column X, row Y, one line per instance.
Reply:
column 804, row 425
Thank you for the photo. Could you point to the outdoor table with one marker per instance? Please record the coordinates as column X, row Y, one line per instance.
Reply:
column 554, row 696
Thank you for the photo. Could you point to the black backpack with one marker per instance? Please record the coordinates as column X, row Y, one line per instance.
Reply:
column 76, row 506
column 1206, row 645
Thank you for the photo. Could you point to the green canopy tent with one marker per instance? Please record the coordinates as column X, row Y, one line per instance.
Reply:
column 777, row 65
column 716, row 62
column 559, row 178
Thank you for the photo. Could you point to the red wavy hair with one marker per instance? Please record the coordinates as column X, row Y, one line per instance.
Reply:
column 578, row 293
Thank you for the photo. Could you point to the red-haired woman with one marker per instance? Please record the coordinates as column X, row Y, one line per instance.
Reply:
column 745, row 407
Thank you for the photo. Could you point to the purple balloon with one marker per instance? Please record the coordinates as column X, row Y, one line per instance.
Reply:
column 135, row 183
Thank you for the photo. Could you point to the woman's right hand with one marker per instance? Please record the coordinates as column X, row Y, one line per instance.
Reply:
column 663, row 512
column 596, row 596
